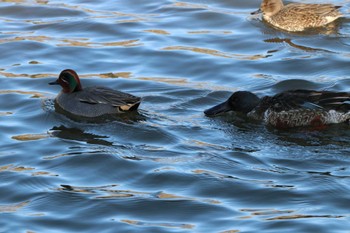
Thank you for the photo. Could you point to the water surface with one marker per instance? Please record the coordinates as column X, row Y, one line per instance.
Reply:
column 169, row 168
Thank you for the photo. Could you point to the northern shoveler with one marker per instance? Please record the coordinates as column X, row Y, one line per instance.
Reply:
column 290, row 108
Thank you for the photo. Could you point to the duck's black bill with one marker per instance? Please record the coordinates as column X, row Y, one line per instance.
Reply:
column 218, row 109
column 259, row 11
column 54, row 83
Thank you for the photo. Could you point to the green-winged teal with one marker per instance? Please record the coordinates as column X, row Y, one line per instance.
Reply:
column 296, row 17
column 290, row 108
column 91, row 102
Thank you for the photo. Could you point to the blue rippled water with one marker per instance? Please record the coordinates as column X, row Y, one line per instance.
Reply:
column 168, row 168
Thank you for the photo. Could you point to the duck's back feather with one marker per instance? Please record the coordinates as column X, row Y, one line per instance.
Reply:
column 103, row 95
column 304, row 107
column 307, row 99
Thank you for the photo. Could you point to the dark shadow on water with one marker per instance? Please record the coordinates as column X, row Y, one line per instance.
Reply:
column 337, row 135
column 79, row 135
column 239, row 120
column 241, row 131
column 294, row 45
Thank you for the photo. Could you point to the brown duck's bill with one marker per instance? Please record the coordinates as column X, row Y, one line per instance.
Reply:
column 218, row 109
column 259, row 11
column 54, row 83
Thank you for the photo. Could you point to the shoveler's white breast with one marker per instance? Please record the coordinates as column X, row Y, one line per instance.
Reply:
column 337, row 117
column 304, row 117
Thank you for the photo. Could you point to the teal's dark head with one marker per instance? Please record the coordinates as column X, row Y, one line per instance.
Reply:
column 240, row 101
column 69, row 81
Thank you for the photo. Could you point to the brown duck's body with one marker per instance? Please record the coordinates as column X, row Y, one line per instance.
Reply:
column 91, row 102
column 293, row 108
column 303, row 108
column 296, row 17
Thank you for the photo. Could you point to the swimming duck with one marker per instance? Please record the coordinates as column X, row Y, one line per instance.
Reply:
column 290, row 108
column 296, row 17
column 90, row 102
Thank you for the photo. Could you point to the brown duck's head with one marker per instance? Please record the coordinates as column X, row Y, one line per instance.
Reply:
column 269, row 7
column 240, row 101
column 69, row 81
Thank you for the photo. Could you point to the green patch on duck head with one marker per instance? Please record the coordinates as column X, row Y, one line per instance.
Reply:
column 69, row 80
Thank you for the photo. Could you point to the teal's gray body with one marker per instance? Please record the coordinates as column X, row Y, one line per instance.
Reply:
column 96, row 101
column 90, row 102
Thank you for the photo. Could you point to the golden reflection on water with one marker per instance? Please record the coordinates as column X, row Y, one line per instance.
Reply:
column 33, row 93
column 14, row 1
column 157, row 31
column 74, row 42
column 116, row 75
column 26, row 1
column 5, row 113
column 34, row 62
column 188, row 5
column 13, row 168
column 200, row 6
column 299, row 216
column 13, row 208
column 134, row 17
column 177, row 81
column 77, row 43
column 216, row 53
column 108, row 192
column 209, row 32
column 185, row 82
column 162, row 195
column 30, row 137
column 168, row 225
column 230, row 231
column 214, row 174
column 127, row 43
column 268, row 212
column 43, row 173
column 206, row 145
column 38, row 94
column 200, row 32
column 30, row 38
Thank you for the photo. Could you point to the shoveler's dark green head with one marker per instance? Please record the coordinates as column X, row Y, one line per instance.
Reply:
column 69, row 81
column 240, row 101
